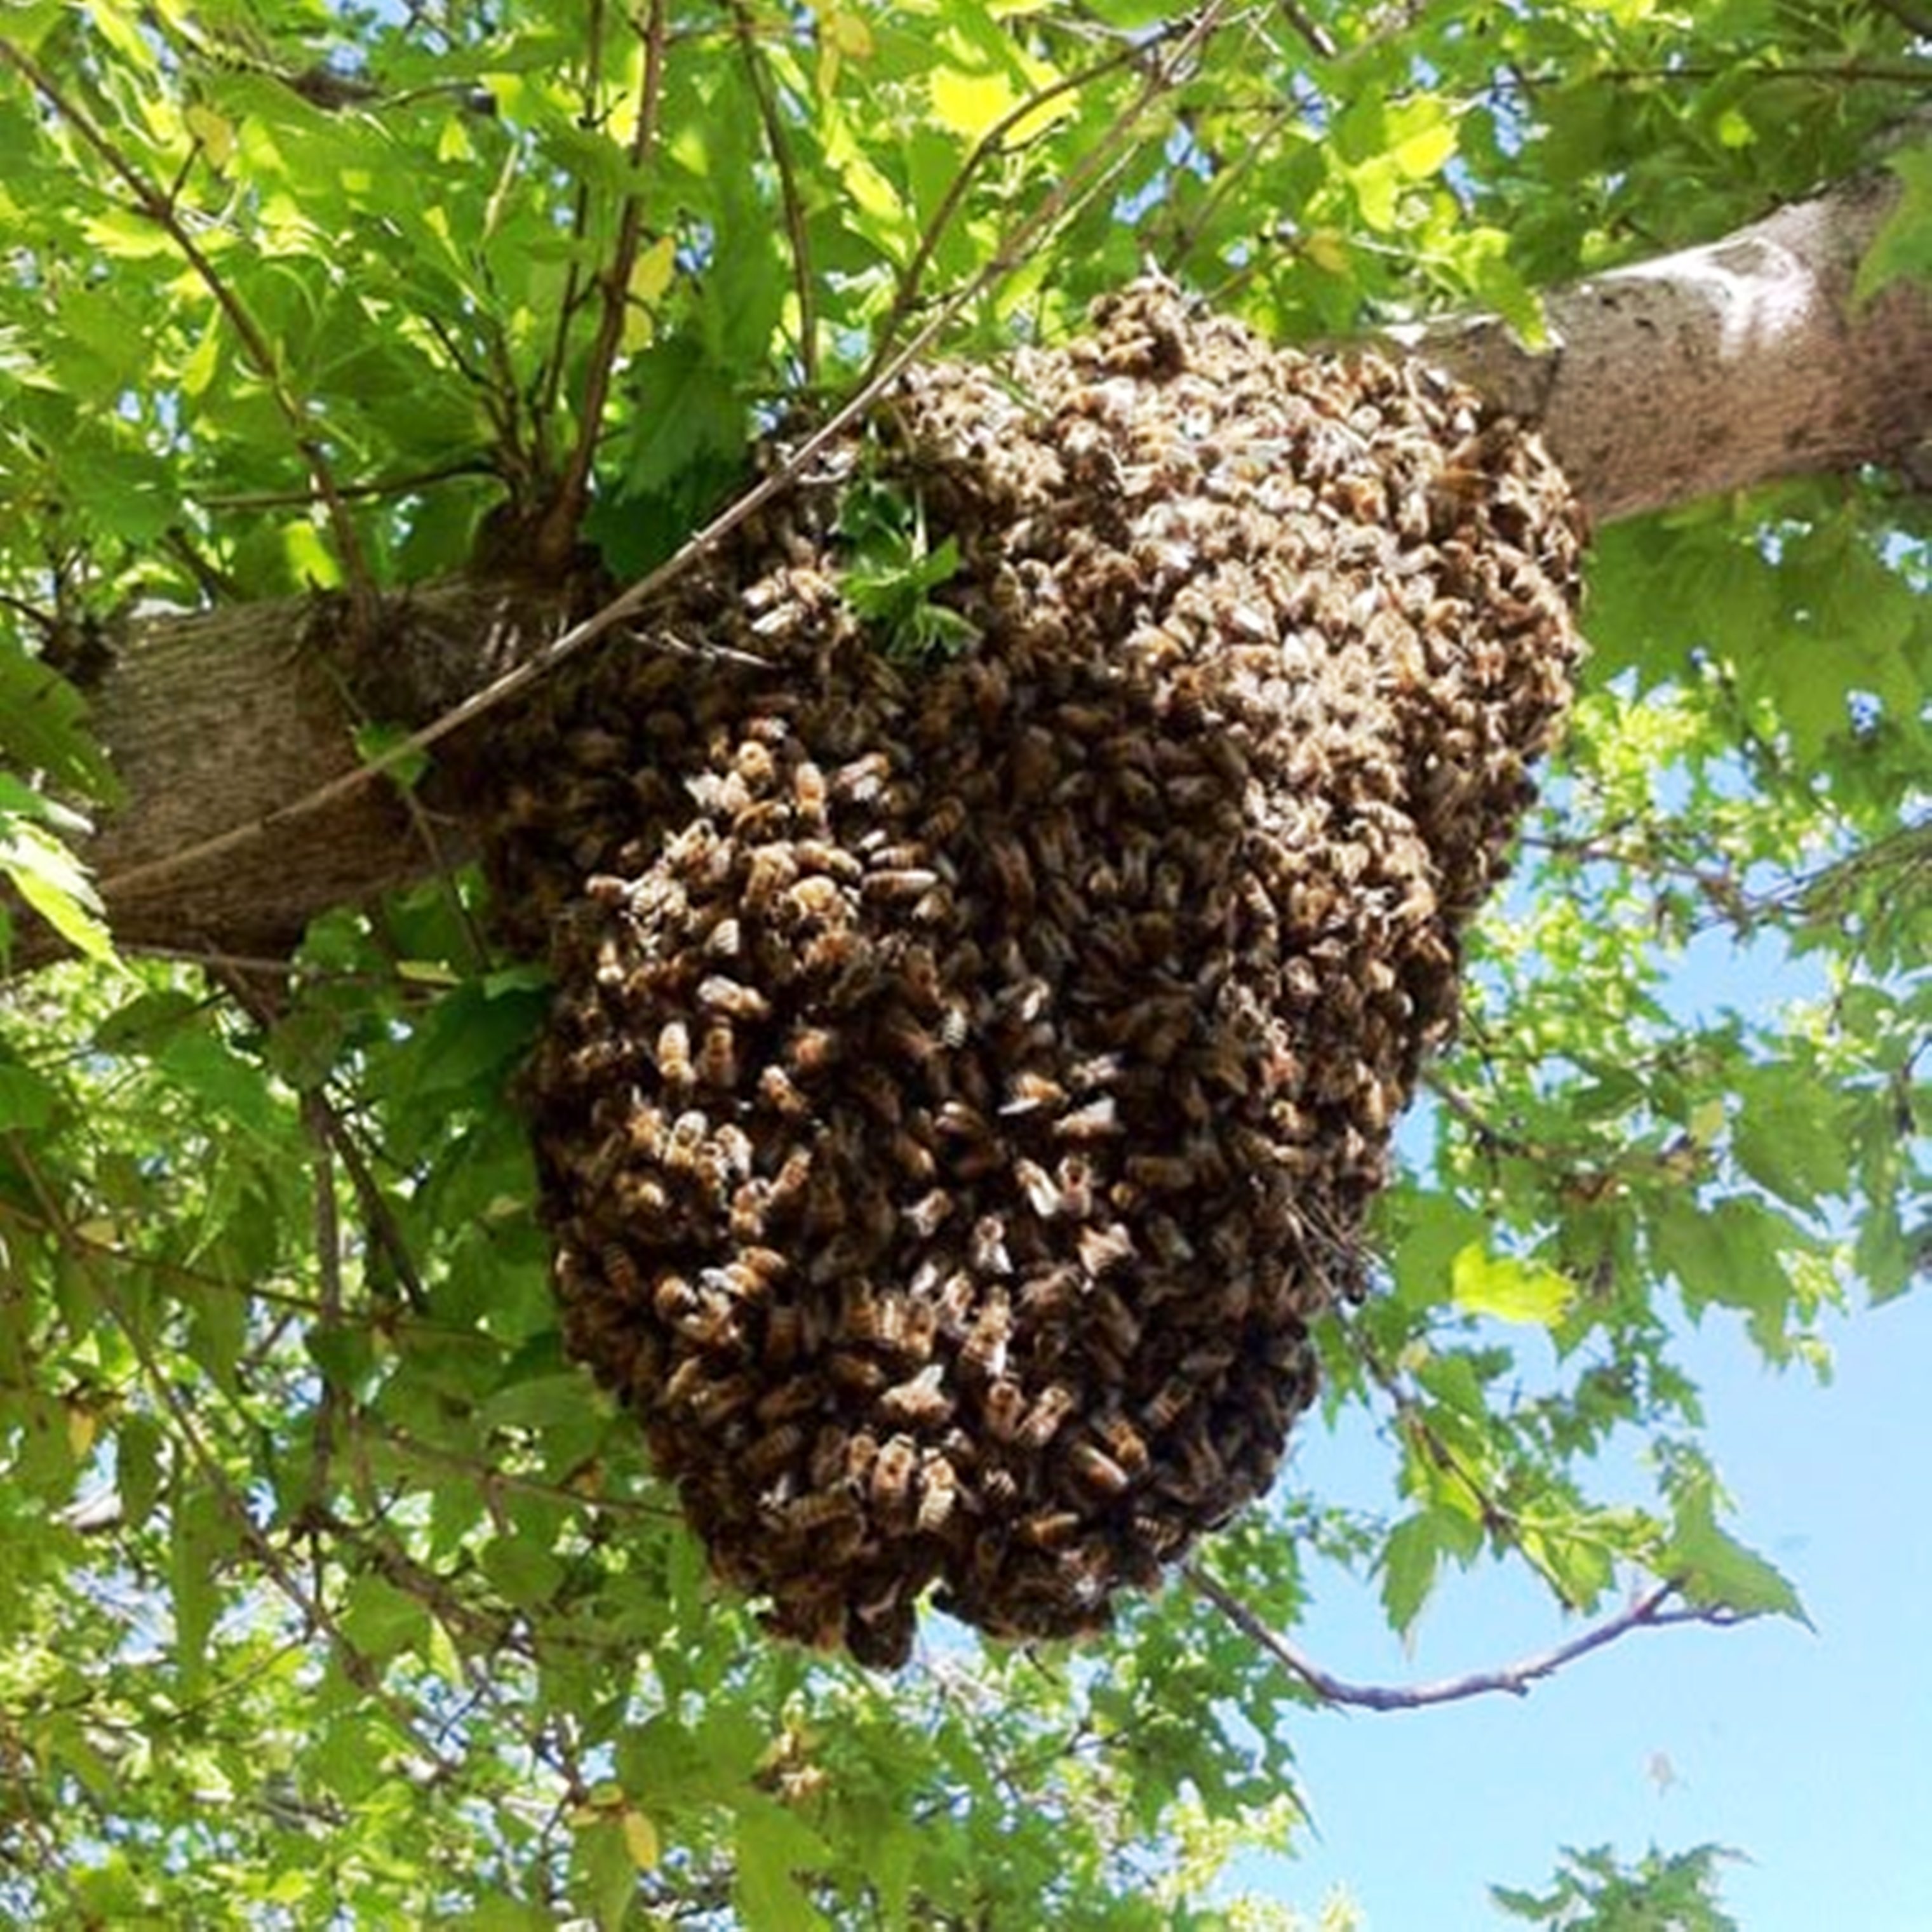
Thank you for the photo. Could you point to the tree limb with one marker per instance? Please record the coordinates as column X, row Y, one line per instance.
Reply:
column 1646, row 1612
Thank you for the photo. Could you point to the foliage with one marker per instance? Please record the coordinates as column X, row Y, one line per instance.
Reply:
column 1594, row 1893
column 331, row 1594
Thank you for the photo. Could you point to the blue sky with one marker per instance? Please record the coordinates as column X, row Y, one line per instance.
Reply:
column 1812, row 1753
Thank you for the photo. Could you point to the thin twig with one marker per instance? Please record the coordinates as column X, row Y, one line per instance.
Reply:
column 796, row 231
column 1646, row 1612
column 990, row 144
column 1310, row 29
column 161, row 209
column 376, row 487
column 627, row 603
column 564, row 516
column 550, row 381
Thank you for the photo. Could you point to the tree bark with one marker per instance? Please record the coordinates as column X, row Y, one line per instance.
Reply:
column 1701, row 371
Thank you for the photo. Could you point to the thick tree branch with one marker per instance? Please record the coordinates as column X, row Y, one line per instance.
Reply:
column 1719, row 367
column 248, row 811
column 1647, row 1611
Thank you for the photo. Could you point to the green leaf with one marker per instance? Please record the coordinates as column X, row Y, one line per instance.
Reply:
column 1508, row 1289
column 1718, row 1570
column 53, row 882
column 774, row 1848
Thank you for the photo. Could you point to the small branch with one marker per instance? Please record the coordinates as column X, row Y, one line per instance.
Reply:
column 1311, row 30
column 550, row 380
column 375, row 487
column 794, row 206
column 990, row 144
column 563, row 517
column 1073, row 188
column 1647, row 1611
column 161, row 209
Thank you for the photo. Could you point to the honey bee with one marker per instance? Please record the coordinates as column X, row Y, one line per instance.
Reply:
column 1096, row 1119
column 1051, row 1296
column 674, row 1054
column 732, row 1146
column 1028, row 1092
column 1041, row 1192
column 620, row 1271
column 715, row 1401
column 785, row 1335
column 1055, row 1404
column 732, row 998
column 946, row 821
column 863, row 780
column 1097, row 1470
column 1102, row 1248
column 711, row 1324
column 907, row 882
column 818, row 1511
column 1049, row 1529
column 984, row 1351
column 1116, row 1322
column 673, row 1298
column 1075, row 1173
column 862, row 1452
column 754, row 763
column 986, row 1246
column 799, row 1396
column 1005, row 1410
column 772, row 870
column 925, row 1214
column 684, row 1151
column 811, row 1050
column 857, row 1374
column 773, row 1452
column 1168, row 1173
column 717, row 1063
column 921, row 1402
column 807, row 788
column 825, row 1466
column 938, row 1493
column 789, row 1185
column 776, row 1090
column 1124, row 1443
column 954, row 1304
column 903, row 1035
column 889, row 1485
column 912, row 1156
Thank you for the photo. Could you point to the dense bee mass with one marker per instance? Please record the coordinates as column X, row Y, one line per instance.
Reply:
column 971, row 1060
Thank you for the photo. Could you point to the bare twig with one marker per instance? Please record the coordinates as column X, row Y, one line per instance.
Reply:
column 990, row 145
column 1646, row 1612
column 550, row 381
column 1310, row 29
column 563, row 517
column 1073, row 188
column 376, row 487
column 796, row 231
column 160, row 208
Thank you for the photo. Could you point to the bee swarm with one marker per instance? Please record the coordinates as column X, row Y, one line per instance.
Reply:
column 967, row 1073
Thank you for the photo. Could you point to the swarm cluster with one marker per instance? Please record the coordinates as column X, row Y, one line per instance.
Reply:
column 968, row 1069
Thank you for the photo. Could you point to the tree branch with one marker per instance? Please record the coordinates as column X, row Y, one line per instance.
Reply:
column 1646, row 1612
column 796, row 230
column 557, row 536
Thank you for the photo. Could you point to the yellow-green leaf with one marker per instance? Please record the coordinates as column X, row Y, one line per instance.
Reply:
column 1508, row 1290
column 640, row 1839
column 215, row 133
